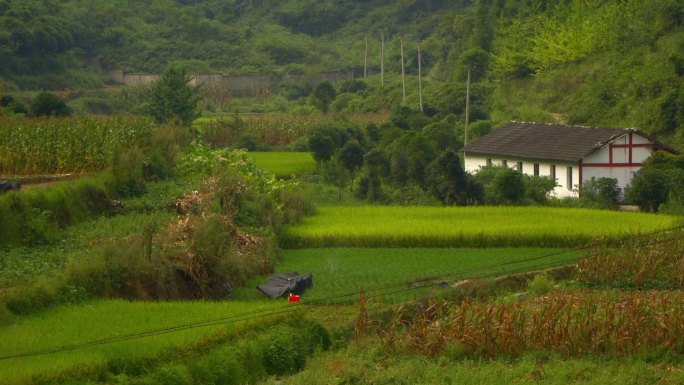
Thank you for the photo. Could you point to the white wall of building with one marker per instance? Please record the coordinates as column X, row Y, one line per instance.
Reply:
column 473, row 163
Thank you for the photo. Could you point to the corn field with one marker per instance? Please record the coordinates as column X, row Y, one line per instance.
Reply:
column 579, row 323
column 271, row 130
column 66, row 145
column 655, row 262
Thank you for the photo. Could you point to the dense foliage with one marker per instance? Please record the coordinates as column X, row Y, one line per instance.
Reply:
column 605, row 63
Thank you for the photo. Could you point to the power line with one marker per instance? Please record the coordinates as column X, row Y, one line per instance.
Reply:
column 399, row 288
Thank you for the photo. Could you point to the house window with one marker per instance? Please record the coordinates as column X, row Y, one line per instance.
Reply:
column 569, row 178
column 489, row 161
column 536, row 169
column 504, row 163
column 552, row 173
column 519, row 166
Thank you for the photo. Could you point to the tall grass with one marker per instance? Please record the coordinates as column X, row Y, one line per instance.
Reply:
column 30, row 146
column 394, row 226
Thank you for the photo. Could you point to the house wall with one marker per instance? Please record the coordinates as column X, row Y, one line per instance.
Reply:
column 474, row 162
column 619, row 159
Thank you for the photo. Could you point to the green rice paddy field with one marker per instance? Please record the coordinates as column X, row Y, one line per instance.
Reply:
column 284, row 164
column 97, row 320
column 420, row 226
column 385, row 271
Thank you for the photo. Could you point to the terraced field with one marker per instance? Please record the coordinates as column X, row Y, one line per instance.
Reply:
column 419, row 226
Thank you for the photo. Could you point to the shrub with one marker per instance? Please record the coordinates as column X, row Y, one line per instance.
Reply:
column 219, row 368
column 502, row 185
column 247, row 141
column 604, row 192
column 11, row 104
column 541, row 284
column 128, row 172
column 172, row 375
column 33, row 297
column 47, row 104
column 538, row 188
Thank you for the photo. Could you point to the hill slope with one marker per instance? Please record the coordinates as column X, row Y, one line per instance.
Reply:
column 608, row 63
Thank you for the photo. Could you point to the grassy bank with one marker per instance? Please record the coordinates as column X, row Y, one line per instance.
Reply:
column 369, row 364
column 101, row 320
column 393, row 226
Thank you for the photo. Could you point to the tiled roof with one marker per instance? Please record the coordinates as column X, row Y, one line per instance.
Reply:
column 544, row 141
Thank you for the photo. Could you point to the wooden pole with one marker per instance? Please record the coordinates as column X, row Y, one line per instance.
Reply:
column 403, row 78
column 467, row 110
column 365, row 60
column 382, row 58
column 420, row 81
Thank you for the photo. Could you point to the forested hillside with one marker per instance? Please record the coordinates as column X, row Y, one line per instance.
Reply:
column 599, row 62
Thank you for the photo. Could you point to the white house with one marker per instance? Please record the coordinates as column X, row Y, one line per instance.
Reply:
column 569, row 154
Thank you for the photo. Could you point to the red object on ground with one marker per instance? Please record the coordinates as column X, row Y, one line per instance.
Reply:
column 293, row 298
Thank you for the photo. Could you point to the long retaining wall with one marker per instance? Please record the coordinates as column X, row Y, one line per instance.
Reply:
column 245, row 85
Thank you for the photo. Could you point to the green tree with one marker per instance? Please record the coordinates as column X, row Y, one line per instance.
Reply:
column 447, row 180
column 47, row 104
column 649, row 189
column 370, row 185
column 659, row 181
column 322, row 95
column 502, row 185
column 171, row 97
column 351, row 158
column 322, row 146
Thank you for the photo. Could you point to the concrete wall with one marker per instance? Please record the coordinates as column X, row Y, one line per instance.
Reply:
column 244, row 85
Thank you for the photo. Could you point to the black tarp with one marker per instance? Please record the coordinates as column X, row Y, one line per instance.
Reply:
column 282, row 284
column 8, row 186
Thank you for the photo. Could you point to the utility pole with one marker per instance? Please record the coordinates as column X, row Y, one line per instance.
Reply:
column 420, row 80
column 365, row 60
column 467, row 110
column 382, row 58
column 403, row 78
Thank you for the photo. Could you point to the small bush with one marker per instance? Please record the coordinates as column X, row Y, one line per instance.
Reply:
column 128, row 171
column 541, row 284
column 301, row 144
column 282, row 351
column 172, row 375
column 247, row 141
column 33, row 297
column 601, row 192
column 219, row 368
